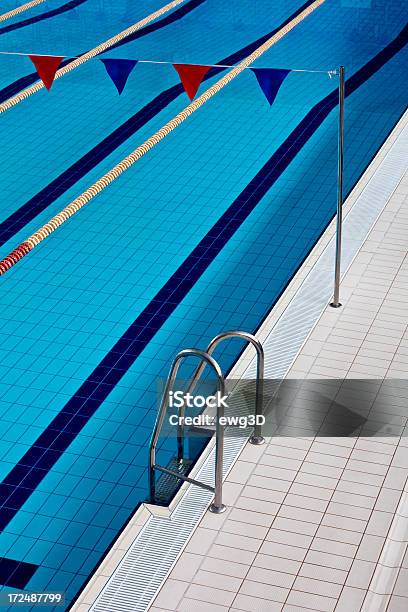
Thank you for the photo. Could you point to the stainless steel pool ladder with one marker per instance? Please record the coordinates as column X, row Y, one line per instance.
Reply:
column 205, row 358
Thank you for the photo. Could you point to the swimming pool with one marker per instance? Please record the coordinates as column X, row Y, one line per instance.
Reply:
column 201, row 235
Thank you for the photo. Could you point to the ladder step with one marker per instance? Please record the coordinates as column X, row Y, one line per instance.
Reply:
column 203, row 430
column 167, row 485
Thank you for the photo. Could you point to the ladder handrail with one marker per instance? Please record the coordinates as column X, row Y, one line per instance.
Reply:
column 256, row 437
column 217, row 505
column 205, row 358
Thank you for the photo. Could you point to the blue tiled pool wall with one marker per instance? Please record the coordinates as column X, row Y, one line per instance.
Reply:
column 250, row 267
column 38, row 13
column 100, row 106
column 59, row 185
column 171, row 17
column 85, row 24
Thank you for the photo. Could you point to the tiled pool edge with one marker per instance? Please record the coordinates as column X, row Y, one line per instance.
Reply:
column 155, row 539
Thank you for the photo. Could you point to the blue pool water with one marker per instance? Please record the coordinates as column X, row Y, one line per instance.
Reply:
column 201, row 235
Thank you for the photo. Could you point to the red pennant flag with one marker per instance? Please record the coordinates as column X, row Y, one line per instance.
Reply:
column 46, row 66
column 191, row 77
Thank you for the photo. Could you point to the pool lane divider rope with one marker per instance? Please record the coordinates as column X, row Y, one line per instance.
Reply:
column 29, row 91
column 30, row 243
column 20, row 9
column 22, row 480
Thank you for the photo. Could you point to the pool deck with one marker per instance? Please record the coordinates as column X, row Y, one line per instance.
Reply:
column 319, row 524
column 298, row 507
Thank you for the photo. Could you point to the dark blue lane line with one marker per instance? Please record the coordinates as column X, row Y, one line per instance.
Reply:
column 46, row 15
column 23, row 479
column 15, row 574
column 58, row 186
column 14, row 88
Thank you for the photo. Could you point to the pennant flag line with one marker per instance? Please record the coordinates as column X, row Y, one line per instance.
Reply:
column 46, row 67
column 119, row 71
column 270, row 81
column 191, row 77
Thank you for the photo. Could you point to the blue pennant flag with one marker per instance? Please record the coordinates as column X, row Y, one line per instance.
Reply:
column 119, row 71
column 270, row 80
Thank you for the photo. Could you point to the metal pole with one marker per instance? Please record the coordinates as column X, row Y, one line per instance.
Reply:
column 257, row 437
column 339, row 221
column 180, row 436
column 217, row 507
